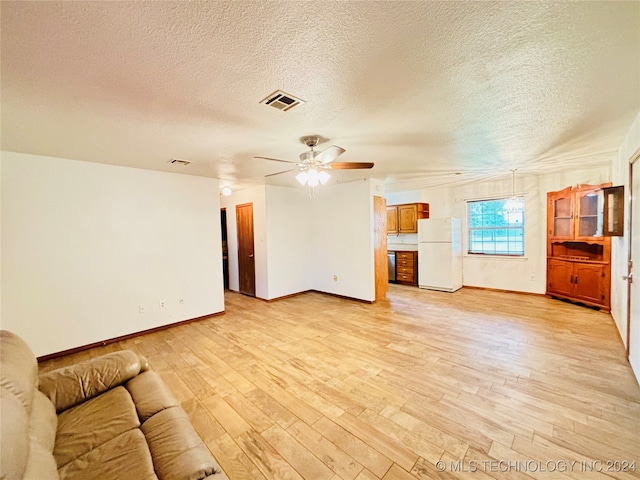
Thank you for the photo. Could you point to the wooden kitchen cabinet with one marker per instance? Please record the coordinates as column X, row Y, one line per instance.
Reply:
column 407, row 268
column 578, row 255
column 404, row 218
column 392, row 219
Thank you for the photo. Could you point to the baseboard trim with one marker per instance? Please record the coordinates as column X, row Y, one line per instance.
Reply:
column 314, row 291
column 343, row 296
column 287, row 296
column 504, row 291
column 51, row 356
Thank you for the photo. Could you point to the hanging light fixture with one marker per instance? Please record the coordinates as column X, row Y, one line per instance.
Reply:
column 312, row 177
column 513, row 204
column 226, row 190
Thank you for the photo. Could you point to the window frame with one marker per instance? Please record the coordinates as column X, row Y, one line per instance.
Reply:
column 483, row 228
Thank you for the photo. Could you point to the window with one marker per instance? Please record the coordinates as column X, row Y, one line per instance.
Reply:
column 494, row 229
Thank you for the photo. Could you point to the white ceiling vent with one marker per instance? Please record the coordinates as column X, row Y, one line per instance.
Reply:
column 179, row 162
column 281, row 100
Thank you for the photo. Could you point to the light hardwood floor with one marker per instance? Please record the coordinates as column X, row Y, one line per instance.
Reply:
column 319, row 387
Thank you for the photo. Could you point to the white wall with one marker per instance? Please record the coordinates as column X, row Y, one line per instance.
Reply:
column 85, row 244
column 256, row 196
column 342, row 240
column 620, row 246
column 288, row 241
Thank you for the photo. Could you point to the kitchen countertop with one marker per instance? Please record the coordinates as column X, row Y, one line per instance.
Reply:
column 402, row 247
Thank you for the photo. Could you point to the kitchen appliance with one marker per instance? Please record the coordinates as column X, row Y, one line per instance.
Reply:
column 440, row 254
column 391, row 265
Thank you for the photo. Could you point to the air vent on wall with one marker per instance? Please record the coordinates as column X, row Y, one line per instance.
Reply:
column 179, row 162
column 281, row 100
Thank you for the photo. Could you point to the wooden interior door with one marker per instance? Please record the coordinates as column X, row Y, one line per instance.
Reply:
column 380, row 247
column 633, row 311
column 225, row 249
column 246, row 259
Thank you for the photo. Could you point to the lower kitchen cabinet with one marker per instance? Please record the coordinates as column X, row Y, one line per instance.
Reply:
column 407, row 268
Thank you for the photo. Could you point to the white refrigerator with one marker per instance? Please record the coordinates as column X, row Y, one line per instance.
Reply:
column 440, row 254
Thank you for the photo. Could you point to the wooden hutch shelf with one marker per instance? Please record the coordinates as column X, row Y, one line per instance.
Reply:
column 578, row 255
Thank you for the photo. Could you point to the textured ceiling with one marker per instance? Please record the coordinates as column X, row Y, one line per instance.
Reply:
column 423, row 89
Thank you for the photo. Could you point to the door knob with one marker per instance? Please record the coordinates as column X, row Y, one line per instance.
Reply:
column 251, row 255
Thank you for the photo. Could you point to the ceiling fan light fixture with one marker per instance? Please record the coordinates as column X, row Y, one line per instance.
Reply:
column 313, row 179
column 313, row 165
column 302, row 177
column 323, row 177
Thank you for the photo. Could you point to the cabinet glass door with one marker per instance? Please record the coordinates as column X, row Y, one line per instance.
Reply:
column 590, row 214
column 562, row 217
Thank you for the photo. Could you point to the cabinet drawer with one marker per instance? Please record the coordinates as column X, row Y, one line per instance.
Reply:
column 404, row 256
column 405, row 269
column 405, row 277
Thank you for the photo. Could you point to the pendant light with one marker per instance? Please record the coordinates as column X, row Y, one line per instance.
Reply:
column 513, row 204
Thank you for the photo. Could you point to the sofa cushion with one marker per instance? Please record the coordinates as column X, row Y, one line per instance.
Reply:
column 41, row 464
column 14, row 435
column 92, row 423
column 176, row 448
column 19, row 373
column 123, row 457
column 43, row 421
column 150, row 394
column 72, row 385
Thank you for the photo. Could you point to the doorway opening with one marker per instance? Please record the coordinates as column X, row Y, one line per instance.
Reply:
column 225, row 249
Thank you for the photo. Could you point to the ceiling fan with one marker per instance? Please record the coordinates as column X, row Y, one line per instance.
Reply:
column 313, row 165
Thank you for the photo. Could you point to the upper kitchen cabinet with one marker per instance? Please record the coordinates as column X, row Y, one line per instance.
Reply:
column 404, row 218
column 392, row 219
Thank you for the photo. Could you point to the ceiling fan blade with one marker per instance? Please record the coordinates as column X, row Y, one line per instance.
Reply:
column 280, row 173
column 349, row 165
column 330, row 154
column 276, row 160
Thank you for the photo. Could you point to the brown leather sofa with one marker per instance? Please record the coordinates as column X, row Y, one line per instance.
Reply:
column 107, row 418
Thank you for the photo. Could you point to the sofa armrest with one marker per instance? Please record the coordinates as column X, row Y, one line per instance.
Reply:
column 72, row 385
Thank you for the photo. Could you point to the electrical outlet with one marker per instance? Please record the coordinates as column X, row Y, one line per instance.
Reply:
column 335, row 278
column 163, row 304
column 141, row 309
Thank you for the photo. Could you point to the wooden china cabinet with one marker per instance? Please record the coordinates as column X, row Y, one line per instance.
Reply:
column 578, row 255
